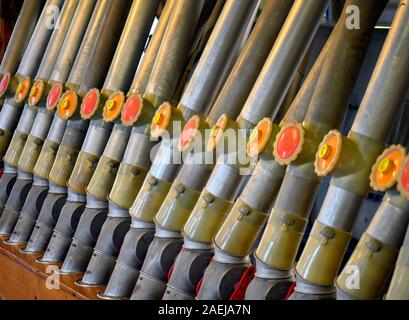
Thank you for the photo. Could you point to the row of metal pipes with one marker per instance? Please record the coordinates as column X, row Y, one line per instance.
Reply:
column 90, row 106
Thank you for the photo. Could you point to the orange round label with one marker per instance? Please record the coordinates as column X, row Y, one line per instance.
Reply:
column 328, row 153
column 68, row 105
column 259, row 137
column 161, row 119
column 386, row 168
column 36, row 93
column 23, row 89
column 113, row 107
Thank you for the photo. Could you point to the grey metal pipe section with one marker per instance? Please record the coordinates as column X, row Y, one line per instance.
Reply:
column 299, row 107
column 173, row 52
column 388, row 84
column 248, row 66
column 39, row 40
column 281, row 65
column 141, row 78
column 131, row 45
column 354, row 43
column 99, row 14
column 20, row 38
column 390, row 222
column 105, row 45
column 216, row 54
column 57, row 39
column 73, row 40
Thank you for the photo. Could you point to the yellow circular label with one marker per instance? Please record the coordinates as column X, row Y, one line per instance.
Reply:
column 157, row 118
column 111, row 105
column 34, row 91
column 324, row 151
column 386, row 165
column 254, row 135
column 65, row 103
column 19, row 88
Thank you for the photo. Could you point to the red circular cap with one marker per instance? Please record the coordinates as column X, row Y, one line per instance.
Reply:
column 54, row 96
column 405, row 177
column 89, row 103
column 189, row 131
column 288, row 142
column 4, row 83
column 131, row 110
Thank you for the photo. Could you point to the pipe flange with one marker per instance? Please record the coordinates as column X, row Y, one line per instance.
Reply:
column 54, row 96
column 385, row 171
column 403, row 179
column 23, row 89
column 260, row 137
column 328, row 154
column 132, row 110
column 36, row 93
column 68, row 105
column 289, row 143
column 113, row 107
column 90, row 104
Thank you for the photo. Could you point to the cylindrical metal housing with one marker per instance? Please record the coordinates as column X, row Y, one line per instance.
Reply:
column 244, row 74
column 216, row 54
column 281, row 65
column 141, row 78
column 131, row 45
column 173, row 51
column 81, row 61
column 105, row 45
column 61, row 28
column 73, row 40
column 20, row 38
column 39, row 40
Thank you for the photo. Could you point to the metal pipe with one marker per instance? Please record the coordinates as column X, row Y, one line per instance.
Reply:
column 72, row 42
column 87, row 45
column 28, row 116
column 248, row 216
column 240, row 80
column 11, row 110
column 175, row 45
column 169, row 62
column 144, row 71
column 100, row 54
column 63, row 232
column 398, row 289
column 350, row 183
column 36, row 48
column 205, row 75
column 132, row 43
column 237, row 87
column 288, row 51
column 23, row 29
column 59, row 75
